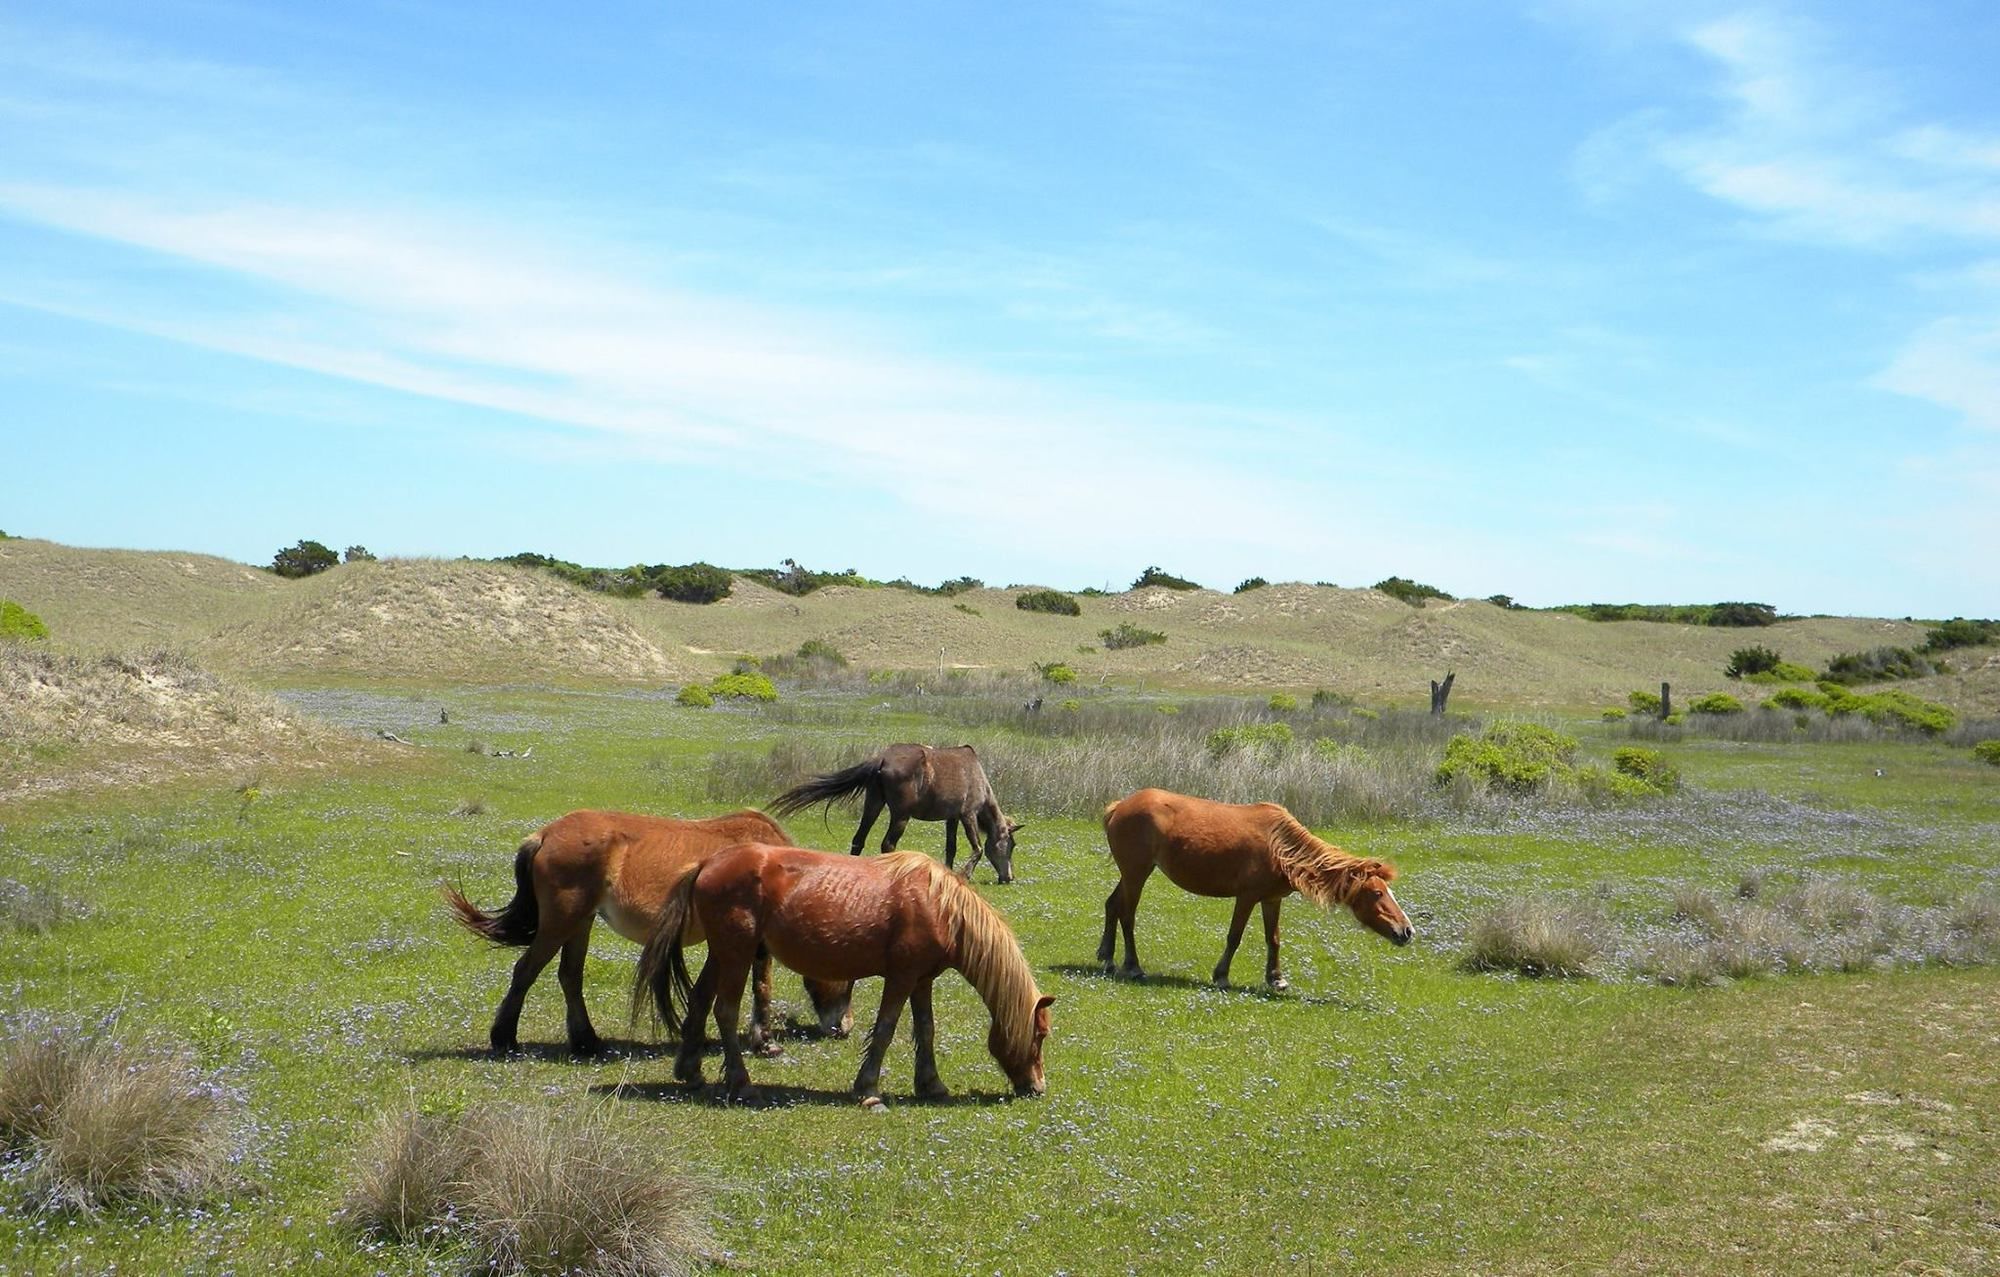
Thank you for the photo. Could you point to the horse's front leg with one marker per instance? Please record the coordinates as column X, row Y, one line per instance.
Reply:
column 1272, row 976
column 923, row 1027
column 895, row 991
column 1236, row 924
column 951, row 842
column 971, row 840
column 761, row 1040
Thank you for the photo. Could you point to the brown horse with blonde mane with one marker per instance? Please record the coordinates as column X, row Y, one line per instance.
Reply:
column 903, row 917
column 1257, row 852
column 622, row 867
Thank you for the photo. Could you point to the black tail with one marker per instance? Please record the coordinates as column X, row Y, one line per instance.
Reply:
column 828, row 788
column 662, row 980
column 514, row 925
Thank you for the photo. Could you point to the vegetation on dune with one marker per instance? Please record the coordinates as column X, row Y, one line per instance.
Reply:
column 1154, row 576
column 17, row 622
column 1715, row 703
column 1053, row 602
column 1127, row 635
column 1878, row 664
column 1411, row 592
column 1959, row 632
column 1756, row 659
column 304, row 559
column 1717, row 614
column 692, row 583
column 1515, row 757
column 1251, row 583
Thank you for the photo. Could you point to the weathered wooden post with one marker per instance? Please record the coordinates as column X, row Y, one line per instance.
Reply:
column 1440, row 692
column 1666, row 701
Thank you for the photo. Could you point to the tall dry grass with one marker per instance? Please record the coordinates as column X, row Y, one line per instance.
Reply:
column 531, row 1190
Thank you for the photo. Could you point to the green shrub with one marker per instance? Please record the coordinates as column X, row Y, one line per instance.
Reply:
column 1751, row 660
column 692, row 583
column 745, row 685
column 1283, row 702
column 303, row 559
column 1600, row 782
column 793, row 577
column 1898, row 708
column 822, row 651
column 1325, row 698
column 1959, row 632
column 1411, row 592
column 947, row 589
column 1252, row 583
column 1877, row 664
column 626, row 583
column 1129, row 635
column 1797, row 698
column 1647, row 766
column 695, row 696
column 1723, row 614
column 1783, row 672
column 357, row 554
column 1166, row 580
column 1643, row 702
column 1264, row 739
column 1614, row 714
column 1504, row 601
column 1674, row 719
column 1056, row 672
column 967, row 608
column 1987, row 751
column 17, row 622
column 1513, row 757
column 1716, row 703
column 1072, row 706
column 1054, row 602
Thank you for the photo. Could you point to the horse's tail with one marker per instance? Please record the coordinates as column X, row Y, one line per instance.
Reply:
column 515, row 924
column 1105, row 819
column 661, row 984
column 828, row 788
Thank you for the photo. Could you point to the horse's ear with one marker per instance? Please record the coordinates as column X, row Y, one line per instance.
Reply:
column 1016, row 826
column 1383, row 870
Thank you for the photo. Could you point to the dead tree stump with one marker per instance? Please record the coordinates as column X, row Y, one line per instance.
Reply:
column 1440, row 692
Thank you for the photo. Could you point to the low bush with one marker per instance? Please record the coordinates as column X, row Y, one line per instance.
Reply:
column 1959, row 632
column 304, row 559
column 1537, row 937
column 1877, row 664
column 527, row 1190
column 1643, row 702
column 1782, row 672
column 692, row 582
column 1715, row 703
column 1751, row 660
column 695, row 696
column 1165, row 580
column 1648, row 766
column 1411, row 592
column 1265, row 739
column 1512, row 757
column 746, row 685
column 1797, row 698
column 1252, row 583
column 823, row 651
column 1130, row 635
column 1613, row 715
column 1282, row 703
column 17, row 622
column 1053, row 602
column 1987, row 751
column 1056, row 672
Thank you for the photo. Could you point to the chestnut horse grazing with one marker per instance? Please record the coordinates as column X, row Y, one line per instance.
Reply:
column 903, row 917
column 1256, row 852
column 623, row 867
column 925, row 783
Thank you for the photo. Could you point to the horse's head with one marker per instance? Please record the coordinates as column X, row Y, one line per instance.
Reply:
column 1000, row 849
column 1375, row 905
column 1024, row 1070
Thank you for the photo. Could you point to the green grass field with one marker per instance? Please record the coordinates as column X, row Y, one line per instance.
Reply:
column 1392, row 1112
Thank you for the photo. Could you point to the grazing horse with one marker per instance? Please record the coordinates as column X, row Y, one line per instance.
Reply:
column 622, row 867
column 903, row 917
column 925, row 783
column 1257, row 852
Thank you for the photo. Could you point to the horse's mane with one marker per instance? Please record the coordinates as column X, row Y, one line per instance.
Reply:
column 1320, row 871
column 988, row 954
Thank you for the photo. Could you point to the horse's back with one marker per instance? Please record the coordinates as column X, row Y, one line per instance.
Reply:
column 831, row 917
column 1203, row 846
column 624, row 865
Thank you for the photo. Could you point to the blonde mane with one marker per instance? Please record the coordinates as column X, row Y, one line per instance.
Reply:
column 1320, row 871
column 988, row 954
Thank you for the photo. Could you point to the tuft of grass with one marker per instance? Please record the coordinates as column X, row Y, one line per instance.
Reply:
column 1537, row 937
column 100, row 1123
column 469, row 807
column 531, row 1190
column 33, row 907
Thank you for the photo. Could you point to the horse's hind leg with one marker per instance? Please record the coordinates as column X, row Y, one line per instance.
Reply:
column 506, row 1034
column 895, row 991
column 694, row 1026
column 761, row 1040
column 871, row 807
column 1130, row 885
column 583, row 1038
column 1271, row 974
column 728, row 1007
column 1236, row 924
column 951, row 843
column 898, row 822
column 923, row 1027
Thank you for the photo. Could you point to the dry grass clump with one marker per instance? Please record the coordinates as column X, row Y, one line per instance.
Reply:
column 98, row 1123
column 530, row 1190
column 33, row 907
column 1537, row 937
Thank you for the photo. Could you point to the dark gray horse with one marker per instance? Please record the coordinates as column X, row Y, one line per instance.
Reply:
column 916, row 781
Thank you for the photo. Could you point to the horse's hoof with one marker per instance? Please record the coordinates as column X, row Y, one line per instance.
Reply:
column 1280, row 984
column 584, row 1047
column 874, row 1104
column 768, row 1049
column 1221, row 980
column 688, row 1071
column 1131, row 971
column 934, row 1091
column 746, row 1095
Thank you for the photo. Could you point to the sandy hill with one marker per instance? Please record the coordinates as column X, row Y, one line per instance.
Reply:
column 457, row 620
column 461, row 621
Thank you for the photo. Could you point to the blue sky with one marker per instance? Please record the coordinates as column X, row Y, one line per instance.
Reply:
column 1572, row 301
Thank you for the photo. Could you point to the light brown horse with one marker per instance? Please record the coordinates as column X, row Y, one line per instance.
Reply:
column 1256, row 852
column 902, row 917
column 917, row 781
column 622, row 867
